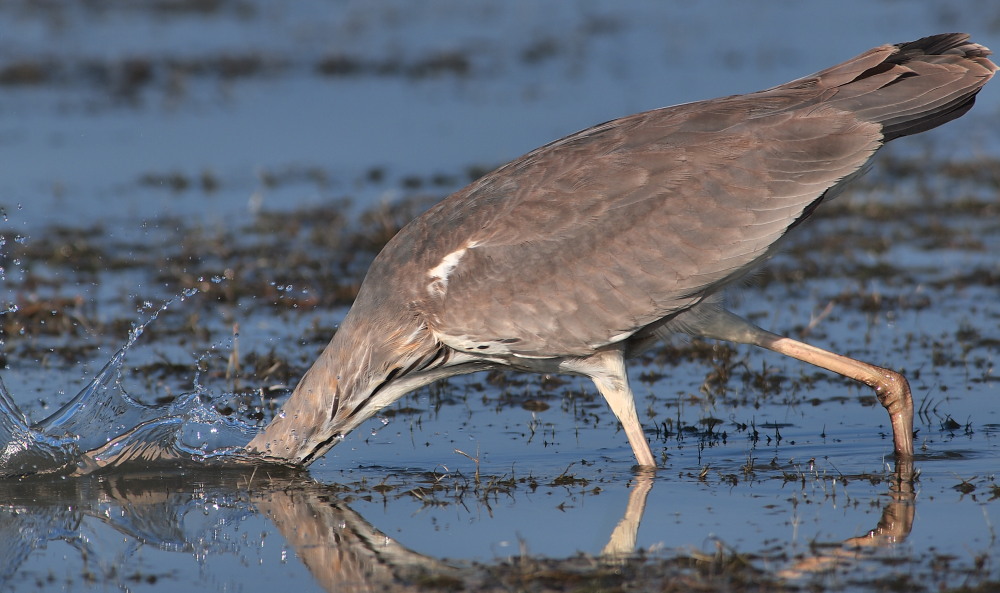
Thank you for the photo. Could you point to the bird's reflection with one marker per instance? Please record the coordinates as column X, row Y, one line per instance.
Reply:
column 893, row 528
column 621, row 544
column 342, row 550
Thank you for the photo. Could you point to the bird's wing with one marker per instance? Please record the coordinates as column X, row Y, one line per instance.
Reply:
column 584, row 241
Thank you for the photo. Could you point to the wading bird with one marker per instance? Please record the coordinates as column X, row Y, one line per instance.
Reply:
column 585, row 251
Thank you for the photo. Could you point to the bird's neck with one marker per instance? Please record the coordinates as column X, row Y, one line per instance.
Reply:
column 364, row 368
column 305, row 420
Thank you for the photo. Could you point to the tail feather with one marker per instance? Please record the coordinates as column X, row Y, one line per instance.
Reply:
column 909, row 87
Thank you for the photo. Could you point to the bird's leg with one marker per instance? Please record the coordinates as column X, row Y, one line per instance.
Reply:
column 607, row 369
column 892, row 389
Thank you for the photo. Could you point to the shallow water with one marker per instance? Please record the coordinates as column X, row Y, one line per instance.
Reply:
column 170, row 149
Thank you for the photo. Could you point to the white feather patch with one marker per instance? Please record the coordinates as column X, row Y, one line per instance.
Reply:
column 439, row 274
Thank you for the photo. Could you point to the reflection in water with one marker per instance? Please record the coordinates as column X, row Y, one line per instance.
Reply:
column 343, row 552
column 621, row 544
column 162, row 512
column 893, row 528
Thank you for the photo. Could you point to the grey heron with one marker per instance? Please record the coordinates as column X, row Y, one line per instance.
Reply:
column 580, row 254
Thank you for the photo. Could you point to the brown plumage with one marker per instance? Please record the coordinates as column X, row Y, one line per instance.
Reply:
column 588, row 249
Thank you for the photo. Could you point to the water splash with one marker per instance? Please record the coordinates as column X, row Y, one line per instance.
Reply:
column 24, row 450
column 102, row 426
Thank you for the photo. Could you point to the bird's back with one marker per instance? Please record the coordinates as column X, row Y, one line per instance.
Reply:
column 591, row 238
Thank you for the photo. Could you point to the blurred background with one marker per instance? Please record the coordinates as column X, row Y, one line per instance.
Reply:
column 126, row 111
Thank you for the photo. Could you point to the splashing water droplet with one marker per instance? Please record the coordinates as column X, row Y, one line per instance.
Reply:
column 102, row 426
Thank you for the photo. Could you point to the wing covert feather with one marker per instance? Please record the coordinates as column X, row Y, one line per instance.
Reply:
column 598, row 244
column 592, row 237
